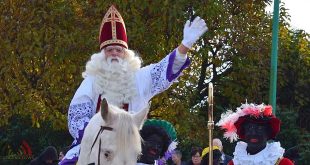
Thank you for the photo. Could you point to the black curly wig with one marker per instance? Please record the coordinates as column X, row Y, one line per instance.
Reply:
column 149, row 130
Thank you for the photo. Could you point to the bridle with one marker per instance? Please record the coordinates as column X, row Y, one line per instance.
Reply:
column 102, row 128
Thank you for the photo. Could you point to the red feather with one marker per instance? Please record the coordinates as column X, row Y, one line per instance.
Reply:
column 268, row 110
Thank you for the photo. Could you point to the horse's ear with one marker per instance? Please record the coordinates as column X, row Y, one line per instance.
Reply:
column 104, row 109
column 141, row 116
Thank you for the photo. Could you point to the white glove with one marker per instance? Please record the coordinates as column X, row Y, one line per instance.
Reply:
column 193, row 31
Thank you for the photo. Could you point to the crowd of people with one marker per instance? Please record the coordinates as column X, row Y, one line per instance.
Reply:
column 198, row 155
column 49, row 156
column 115, row 74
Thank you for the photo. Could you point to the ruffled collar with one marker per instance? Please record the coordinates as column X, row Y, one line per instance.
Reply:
column 268, row 156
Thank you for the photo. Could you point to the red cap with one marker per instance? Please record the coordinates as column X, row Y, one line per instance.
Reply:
column 112, row 29
column 272, row 122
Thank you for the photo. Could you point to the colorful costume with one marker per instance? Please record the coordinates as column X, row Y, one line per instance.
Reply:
column 132, row 87
column 254, row 125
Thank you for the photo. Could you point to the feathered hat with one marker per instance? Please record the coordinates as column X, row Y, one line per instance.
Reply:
column 231, row 122
column 112, row 29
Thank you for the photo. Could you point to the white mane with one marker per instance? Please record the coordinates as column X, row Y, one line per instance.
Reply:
column 120, row 146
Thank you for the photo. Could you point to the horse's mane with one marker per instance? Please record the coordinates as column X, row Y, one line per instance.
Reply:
column 127, row 134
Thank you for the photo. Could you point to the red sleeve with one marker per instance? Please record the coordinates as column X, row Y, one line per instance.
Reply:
column 230, row 162
column 286, row 161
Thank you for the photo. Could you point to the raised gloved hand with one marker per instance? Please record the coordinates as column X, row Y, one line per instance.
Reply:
column 193, row 31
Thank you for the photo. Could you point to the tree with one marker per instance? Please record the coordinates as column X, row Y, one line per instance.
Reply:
column 40, row 57
column 235, row 47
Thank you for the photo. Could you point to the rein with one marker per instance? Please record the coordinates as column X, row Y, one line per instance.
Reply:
column 102, row 128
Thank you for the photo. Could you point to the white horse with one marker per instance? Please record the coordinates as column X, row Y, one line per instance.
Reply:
column 112, row 137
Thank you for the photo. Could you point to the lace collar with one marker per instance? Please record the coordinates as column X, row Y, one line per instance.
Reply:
column 268, row 156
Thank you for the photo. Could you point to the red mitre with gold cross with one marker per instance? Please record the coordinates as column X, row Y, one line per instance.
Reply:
column 112, row 29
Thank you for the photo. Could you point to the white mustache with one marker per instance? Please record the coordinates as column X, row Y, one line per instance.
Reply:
column 116, row 64
column 110, row 59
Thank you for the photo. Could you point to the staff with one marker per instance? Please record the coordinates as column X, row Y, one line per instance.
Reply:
column 210, row 122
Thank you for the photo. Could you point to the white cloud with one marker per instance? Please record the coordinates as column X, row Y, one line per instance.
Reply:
column 299, row 12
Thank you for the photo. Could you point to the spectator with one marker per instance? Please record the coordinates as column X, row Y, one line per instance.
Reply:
column 196, row 156
column 177, row 158
column 224, row 158
column 63, row 152
column 47, row 157
column 216, row 156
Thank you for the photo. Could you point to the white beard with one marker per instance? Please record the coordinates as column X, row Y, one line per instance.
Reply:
column 115, row 81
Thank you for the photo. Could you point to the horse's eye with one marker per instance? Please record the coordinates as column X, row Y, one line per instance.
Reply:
column 108, row 155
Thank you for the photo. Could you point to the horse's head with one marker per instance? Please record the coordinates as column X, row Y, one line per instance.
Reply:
column 118, row 141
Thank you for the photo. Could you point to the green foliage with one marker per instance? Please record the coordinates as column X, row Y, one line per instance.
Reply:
column 40, row 55
column 18, row 130
column 304, row 148
column 294, row 69
column 290, row 134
